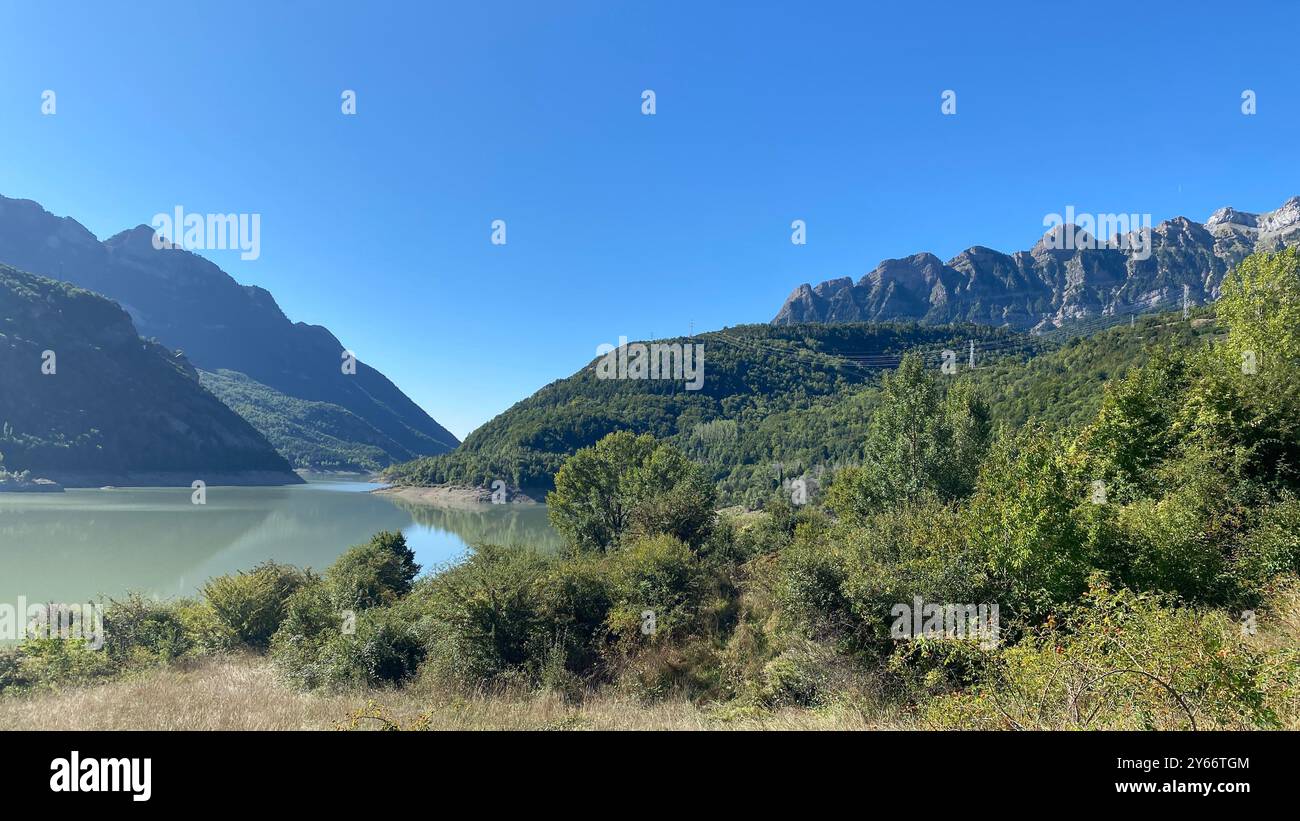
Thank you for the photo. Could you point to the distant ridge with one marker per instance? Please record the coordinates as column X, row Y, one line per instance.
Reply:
column 1048, row 285
column 190, row 304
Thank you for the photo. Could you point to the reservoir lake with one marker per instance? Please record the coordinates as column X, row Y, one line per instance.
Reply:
column 81, row 544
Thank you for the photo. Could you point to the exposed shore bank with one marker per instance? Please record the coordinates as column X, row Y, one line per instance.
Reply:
column 456, row 496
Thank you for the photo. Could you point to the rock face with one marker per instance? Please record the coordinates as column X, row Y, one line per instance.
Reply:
column 191, row 305
column 1055, row 281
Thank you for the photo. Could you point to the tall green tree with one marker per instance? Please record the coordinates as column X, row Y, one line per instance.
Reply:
column 1025, row 519
column 1135, row 428
column 1260, row 304
column 630, row 485
column 922, row 440
column 1248, row 399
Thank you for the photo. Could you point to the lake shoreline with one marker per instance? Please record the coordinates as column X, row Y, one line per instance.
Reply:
column 171, row 479
column 165, row 542
column 455, row 497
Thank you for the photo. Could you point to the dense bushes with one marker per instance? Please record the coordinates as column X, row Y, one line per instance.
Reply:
column 375, row 573
column 353, row 625
column 137, row 629
column 1181, row 492
column 137, row 633
column 642, row 553
column 486, row 616
column 514, row 617
column 1124, row 660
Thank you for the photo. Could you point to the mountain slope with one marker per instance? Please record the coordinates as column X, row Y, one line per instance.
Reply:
column 751, row 374
column 190, row 304
column 321, row 435
column 115, row 409
column 1056, row 281
column 781, row 402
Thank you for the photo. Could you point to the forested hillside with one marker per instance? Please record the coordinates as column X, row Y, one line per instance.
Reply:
column 86, row 401
column 781, row 402
column 320, row 436
column 752, row 375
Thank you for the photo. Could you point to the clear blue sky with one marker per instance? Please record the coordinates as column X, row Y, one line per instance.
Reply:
column 378, row 225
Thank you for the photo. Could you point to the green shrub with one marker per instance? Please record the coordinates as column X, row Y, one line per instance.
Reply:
column 49, row 662
column 485, row 621
column 375, row 573
column 139, row 630
column 1268, row 550
column 204, row 629
column 656, row 584
column 386, row 648
column 575, row 597
column 1117, row 660
column 798, row 677
column 1180, row 542
column 299, row 645
column 811, row 574
column 1024, row 520
column 627, row 485
column 252, row 604
column 917, row 549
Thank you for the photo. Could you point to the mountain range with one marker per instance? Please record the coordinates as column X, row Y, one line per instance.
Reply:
column 805, row 387
column 284, row 377
column 1067, row 276
column 86, row 402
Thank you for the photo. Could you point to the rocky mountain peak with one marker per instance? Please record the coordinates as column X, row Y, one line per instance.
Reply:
column 833, row 286
column 1283, row 219
column 1067, row 275
column 1231, row 216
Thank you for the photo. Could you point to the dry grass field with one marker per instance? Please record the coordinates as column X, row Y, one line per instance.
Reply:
column 243, row 693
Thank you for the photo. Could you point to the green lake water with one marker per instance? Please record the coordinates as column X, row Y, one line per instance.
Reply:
column 71, row 547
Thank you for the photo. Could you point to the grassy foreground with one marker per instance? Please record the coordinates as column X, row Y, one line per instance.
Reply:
column 243, row 692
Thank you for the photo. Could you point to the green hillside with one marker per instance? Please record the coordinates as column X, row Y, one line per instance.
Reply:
column 314, row 435
column 106, row 407
column 785, row 401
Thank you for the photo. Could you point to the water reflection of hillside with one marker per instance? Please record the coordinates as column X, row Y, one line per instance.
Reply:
column 499, row 524
column 82, row 543
column 74, row 546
